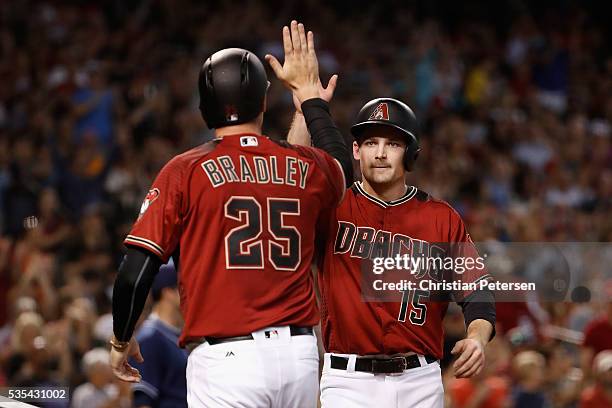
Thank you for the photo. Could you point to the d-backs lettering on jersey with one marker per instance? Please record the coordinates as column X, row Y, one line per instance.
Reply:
column 363, row 228
column 242, row 211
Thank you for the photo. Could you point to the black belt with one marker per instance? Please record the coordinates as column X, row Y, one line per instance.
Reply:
column 294, row 330
column 390, row 365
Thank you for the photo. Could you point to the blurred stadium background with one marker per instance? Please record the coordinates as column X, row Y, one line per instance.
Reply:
column 515, row 98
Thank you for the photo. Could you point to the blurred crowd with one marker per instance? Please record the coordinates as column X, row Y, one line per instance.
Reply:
column 95, row 97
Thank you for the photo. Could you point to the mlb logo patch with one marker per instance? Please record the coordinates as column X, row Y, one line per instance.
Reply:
column 247, row 141
column 271, row 334
column 381, row 112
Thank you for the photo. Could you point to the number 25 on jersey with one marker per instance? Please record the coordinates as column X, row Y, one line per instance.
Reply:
column 244, row 246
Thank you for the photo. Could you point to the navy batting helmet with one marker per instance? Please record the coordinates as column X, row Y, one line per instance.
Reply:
column 395, row 114
column 233, row 85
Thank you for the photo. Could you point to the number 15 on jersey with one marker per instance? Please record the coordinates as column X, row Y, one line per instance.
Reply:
column 418, row 309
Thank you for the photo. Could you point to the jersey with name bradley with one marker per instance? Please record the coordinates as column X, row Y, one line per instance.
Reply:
column 243, row 211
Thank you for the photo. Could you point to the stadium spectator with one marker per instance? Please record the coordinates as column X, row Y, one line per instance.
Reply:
column 529, row 368
column 597, row 338
column 599, row 395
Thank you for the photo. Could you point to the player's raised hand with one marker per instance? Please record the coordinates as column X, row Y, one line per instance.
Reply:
column 326, row 93
column 471, row 358
column 120, row 365
column 300, row 70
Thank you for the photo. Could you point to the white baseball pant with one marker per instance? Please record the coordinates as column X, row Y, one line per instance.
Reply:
column 273, row 370
column 416, row 387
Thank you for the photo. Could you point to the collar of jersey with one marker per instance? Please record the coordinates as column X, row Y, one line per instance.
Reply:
column 410, row 192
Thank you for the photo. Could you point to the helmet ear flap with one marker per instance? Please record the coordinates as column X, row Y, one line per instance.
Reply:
column 209, row 76
column 206, row 85
column 410, row 156
column 244, row 70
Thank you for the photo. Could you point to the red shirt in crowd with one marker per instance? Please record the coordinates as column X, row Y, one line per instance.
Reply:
column 595, row 397
column 598, row 335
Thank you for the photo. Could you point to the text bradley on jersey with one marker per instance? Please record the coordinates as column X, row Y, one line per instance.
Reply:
column 256, row 169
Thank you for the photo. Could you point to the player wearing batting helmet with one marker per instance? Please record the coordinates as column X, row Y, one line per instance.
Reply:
column 384, row 351
column 238, row 216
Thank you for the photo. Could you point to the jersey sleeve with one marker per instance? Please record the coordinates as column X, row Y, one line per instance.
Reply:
column 330, row 168
column 158, row 226
column 469, row 267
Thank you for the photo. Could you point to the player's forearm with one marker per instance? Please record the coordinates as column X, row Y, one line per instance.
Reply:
column 326, row 136
column 480, row 330
column 298, row 133
column 131, row 289
column 480, row 305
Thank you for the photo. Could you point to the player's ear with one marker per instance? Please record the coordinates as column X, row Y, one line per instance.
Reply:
column 355, row 150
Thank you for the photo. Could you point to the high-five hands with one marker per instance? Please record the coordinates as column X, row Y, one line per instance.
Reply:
column 324, row 93
column 300, row 70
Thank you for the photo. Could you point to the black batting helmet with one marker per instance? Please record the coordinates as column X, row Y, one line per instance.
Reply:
column 233, row 84
column 395, row 114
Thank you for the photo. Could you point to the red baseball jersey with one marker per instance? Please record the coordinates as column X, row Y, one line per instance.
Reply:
column 239, row 216
column 364, row 228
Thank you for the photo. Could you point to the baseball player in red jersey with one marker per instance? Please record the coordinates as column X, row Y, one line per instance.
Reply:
column 238, row 216
column 385, row 353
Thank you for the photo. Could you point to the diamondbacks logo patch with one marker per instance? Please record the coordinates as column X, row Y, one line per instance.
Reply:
column 151, row 196
column 381, row 112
